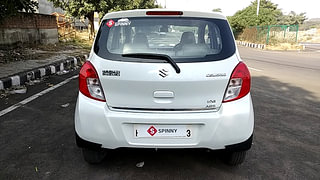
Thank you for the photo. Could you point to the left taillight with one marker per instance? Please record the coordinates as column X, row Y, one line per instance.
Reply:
column 89, row 83
column 239, row 84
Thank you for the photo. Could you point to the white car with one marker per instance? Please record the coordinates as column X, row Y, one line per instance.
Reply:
column 164, row 79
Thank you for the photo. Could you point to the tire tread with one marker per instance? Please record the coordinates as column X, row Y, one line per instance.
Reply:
column 93, row 156
column 235, row 158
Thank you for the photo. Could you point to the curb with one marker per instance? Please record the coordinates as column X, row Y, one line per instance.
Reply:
column 251, row 45
column 22, row 78
column 303, row 46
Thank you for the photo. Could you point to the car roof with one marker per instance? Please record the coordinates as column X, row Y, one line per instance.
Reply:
column 142, row 13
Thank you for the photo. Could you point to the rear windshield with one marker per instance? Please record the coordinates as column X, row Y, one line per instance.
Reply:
column 184, row 39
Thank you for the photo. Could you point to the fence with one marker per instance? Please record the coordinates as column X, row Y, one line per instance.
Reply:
column 272, row 34
column 66, row 26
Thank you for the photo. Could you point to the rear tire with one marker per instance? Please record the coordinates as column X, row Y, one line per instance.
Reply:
column 94, row 156
column 235, row 158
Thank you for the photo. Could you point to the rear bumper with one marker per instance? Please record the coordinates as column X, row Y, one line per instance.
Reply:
column 229, row 128
column 243, row 146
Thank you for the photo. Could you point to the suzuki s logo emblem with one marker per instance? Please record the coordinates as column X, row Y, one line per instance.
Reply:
column 163, row 73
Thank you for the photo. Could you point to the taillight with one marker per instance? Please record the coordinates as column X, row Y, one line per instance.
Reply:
column 89, row 84
column 164, row 13
column 239, row 84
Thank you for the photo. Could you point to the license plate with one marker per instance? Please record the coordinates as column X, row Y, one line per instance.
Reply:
column 170, row 131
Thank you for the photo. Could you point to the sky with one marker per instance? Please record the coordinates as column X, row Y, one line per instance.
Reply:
column 229, row 7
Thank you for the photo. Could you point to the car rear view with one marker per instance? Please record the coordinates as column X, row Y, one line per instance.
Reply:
column 164, row 79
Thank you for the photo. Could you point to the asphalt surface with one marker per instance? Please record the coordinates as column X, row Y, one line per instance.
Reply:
column 37, row 139
column 296, row 69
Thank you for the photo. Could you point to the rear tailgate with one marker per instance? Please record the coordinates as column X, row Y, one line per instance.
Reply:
column 156, row 86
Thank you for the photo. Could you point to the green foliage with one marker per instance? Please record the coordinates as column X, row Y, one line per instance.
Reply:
column 217, row 10
column 86, row 8
column 133, row 4
column 12, row 7
column 78, row 8
column 292, row 18
column 268, row 15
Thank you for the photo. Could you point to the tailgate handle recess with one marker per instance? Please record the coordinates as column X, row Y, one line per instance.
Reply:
column 163, row 94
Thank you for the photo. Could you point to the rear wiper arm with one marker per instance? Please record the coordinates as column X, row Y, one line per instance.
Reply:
column 154, row 56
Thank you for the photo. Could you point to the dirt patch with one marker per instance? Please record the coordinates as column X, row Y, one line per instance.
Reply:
column 311, row 35
column 284, row 47
column 21, row 52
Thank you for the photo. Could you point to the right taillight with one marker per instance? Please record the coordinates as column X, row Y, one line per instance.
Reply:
column 239, row 84
column 89, row 84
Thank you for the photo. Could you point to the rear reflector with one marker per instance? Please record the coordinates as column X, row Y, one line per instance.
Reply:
column 165, row 13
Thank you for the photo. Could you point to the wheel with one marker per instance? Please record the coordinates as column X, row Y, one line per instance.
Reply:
column 94, row 156
column 235, row 158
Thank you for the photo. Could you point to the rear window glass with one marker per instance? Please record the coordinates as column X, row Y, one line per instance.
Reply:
column 184, row 39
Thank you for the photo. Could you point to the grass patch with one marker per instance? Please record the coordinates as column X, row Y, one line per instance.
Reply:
column 284, row 47
column 81, row 40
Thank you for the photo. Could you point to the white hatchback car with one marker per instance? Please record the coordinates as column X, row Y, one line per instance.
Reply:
column 164, row 79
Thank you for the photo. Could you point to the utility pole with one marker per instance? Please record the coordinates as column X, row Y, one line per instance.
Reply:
column 258, row 6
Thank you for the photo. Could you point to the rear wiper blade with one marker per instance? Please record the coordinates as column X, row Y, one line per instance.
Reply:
column 154, row 56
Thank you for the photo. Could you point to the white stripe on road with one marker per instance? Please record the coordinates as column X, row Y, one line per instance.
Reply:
column 1, row 85
column 310, row 44
column 42, row 72
column 29, row 99
column 53, row 69
column 254, row 69
column 61, row 67
column 15, row 80
column 75, row 61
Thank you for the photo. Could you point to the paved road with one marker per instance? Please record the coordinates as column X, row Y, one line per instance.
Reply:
column 297, row 69
column 37, row 139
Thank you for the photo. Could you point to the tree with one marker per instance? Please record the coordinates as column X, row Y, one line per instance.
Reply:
column 217, row 10
column 86, row 8
column 268, row 15
column 292, row 18
column 12, row 7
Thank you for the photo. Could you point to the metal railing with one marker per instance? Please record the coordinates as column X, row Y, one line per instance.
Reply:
column 272, row 34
